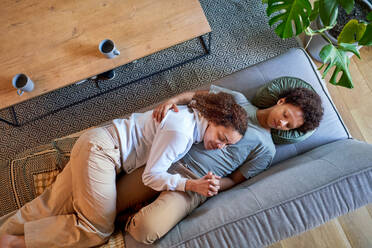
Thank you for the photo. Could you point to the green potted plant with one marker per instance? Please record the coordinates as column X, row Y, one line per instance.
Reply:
column 293, row 17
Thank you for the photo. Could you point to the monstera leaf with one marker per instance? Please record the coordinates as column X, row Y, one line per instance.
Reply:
column 369, row 16
column 336, row 56
column 347, row 5
column 289, row 13
column 352, row 32
column 355, row 31
column 315, row 12
column 328, row 10
column 366, row 40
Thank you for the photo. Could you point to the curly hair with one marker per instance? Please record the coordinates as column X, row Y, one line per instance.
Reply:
column 221, row 109
column 310, row 104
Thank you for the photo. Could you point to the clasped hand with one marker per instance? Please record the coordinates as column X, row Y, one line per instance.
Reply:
column 209, row 185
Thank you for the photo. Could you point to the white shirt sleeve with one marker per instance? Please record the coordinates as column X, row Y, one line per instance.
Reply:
column 167, row 147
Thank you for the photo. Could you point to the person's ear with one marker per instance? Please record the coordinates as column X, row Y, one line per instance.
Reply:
column 281, row 101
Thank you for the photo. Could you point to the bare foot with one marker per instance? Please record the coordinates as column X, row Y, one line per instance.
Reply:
column 10, row 241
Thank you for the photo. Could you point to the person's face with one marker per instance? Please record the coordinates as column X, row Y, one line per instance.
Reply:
column 217, row 137
column 285, row 116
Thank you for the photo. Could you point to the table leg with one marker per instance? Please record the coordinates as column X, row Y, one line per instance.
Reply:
column 16, row 124
column 207, row 48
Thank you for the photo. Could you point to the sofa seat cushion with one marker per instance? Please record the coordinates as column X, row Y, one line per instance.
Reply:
column 312, row 170
column 290, row 198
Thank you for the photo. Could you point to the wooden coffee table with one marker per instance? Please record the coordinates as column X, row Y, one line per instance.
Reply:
column 56, row 42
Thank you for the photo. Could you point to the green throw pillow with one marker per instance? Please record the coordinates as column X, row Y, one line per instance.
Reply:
column 268, row 95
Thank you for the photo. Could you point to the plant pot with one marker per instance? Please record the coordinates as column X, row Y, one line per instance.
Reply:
column 318, row 42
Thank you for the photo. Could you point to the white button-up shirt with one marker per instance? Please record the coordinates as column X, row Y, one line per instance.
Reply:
column 158, row 145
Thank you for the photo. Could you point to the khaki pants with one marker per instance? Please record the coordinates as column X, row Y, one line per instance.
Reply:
column 80, row 208
column 170, row 207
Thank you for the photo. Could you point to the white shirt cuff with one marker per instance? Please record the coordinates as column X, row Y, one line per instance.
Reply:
column 181, row 184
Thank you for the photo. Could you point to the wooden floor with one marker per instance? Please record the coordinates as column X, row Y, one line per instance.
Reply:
column 355, row 105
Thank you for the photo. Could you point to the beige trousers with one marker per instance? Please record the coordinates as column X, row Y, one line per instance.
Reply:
column 80, row 208
column 156, row 219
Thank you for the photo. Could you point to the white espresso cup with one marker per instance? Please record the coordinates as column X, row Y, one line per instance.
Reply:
column 22, row 83
column 107, row 47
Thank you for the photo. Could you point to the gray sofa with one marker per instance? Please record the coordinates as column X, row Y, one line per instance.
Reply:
column 309, row 183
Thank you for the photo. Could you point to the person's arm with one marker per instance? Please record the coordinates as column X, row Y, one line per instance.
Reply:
column 167, row 146
column 259, row 159
column 209, row 185
column 231, row 180
column 165, row 149
column 184, row 98
column 259, row 163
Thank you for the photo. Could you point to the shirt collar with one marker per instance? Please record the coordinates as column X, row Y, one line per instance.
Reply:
column 201, row 126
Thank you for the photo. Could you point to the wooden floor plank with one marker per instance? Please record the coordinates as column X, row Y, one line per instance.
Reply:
column 357, row 226
column 276, row 245
column 369, row 208
column 328, row 235
column 363, row 118
column 365, row 64
column 353, row 97
column 303, row 240
column 332, row 229
column 345, row 113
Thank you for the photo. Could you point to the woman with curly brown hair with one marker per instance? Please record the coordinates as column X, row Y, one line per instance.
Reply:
column 80, row 208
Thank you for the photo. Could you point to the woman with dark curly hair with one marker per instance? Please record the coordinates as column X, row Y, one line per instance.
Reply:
column 80, row 208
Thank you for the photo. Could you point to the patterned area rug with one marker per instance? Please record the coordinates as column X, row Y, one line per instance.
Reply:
column 241, row 37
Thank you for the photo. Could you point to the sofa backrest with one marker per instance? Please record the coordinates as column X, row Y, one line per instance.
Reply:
column 295, row 63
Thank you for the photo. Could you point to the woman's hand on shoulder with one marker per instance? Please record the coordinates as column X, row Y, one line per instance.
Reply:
column 183, row 98
column 161, row 110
